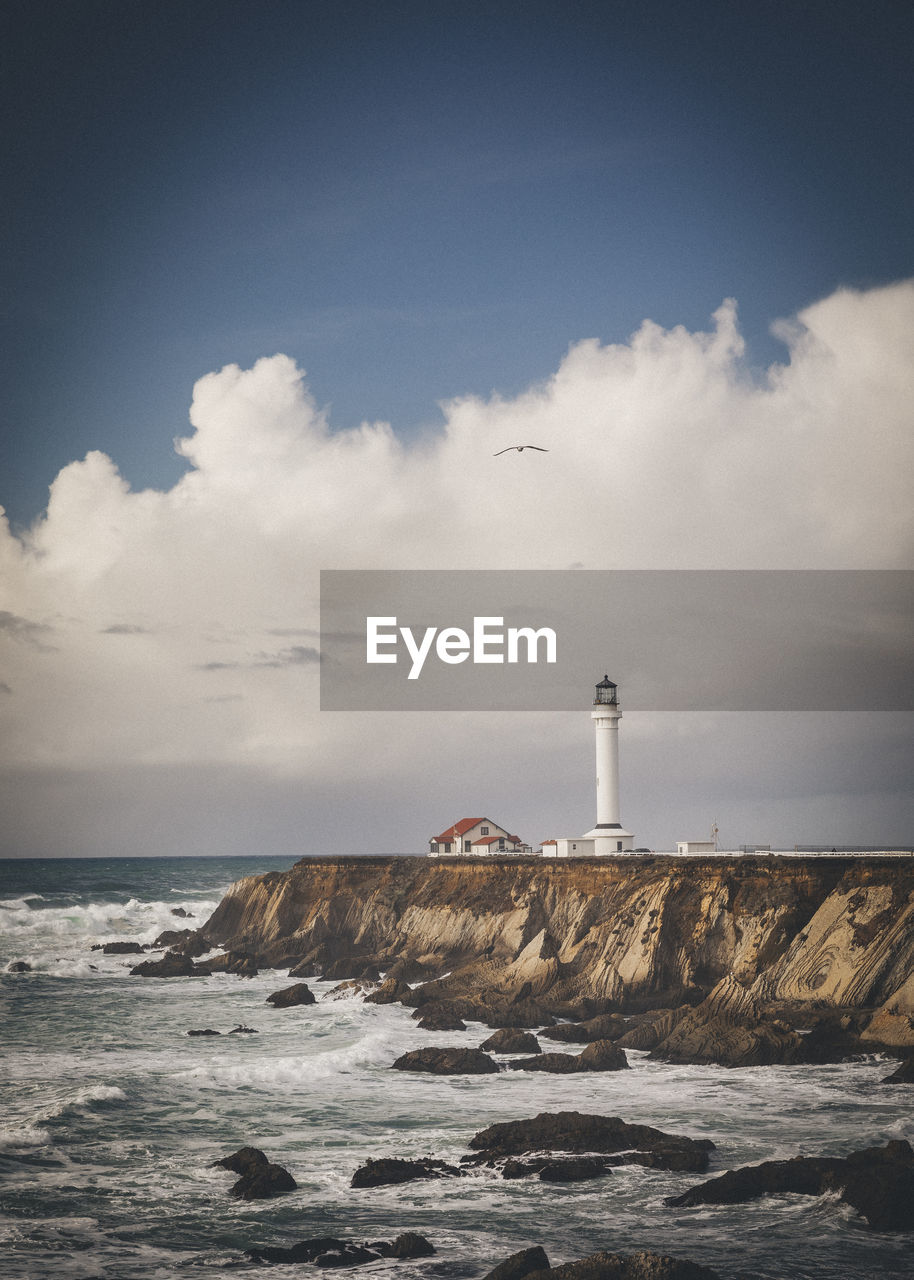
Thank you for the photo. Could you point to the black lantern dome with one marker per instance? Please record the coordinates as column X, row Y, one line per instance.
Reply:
column 606, row 693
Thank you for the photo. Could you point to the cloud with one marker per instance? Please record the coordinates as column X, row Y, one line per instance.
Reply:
column 664, row 452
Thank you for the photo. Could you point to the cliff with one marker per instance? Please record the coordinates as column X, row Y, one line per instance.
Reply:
column 578, row 937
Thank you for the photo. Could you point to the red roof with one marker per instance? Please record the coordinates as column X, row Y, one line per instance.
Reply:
column 458, row 828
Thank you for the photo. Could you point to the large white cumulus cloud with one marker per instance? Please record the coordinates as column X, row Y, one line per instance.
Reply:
column 157, row 629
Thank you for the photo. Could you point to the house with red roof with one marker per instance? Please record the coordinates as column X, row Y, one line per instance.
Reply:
column 476, row 836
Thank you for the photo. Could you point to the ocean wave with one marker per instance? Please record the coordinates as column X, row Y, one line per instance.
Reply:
column 87, row 1099
column 14, row 1137
column 371, row 1051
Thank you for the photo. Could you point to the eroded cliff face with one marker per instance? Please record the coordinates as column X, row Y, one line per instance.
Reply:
column 627, row 933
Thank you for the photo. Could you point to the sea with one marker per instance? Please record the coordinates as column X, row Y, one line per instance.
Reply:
column 112, row 1117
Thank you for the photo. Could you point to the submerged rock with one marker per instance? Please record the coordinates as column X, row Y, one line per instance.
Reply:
column 511, row 1040
column 243, row 1031
column 389, row 1172
column 878, row 1182
column 447, row 1062
column 328, row 1251
column 207, row 1031
column 122, row 948
column 260, row 1178
column 520, row 1264
column 288, row 997
column 19, row 966
column 588, row 1134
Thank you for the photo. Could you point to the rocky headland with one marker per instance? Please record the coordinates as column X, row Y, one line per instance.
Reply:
column 736, row 961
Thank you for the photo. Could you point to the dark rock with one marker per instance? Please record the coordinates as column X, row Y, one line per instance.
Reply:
column 576, row 1170
column 327, row 1251
column 648, row 1029
column 237, row 962
column 902, row 1075
column 194, row 946
column 409, row 1245
column 601, row 1055
column 348, row 967
column 244, row 1160
column 19, row 966
column 719, row 1040
column 447, row 1062
column 390, row 991
column 520, row 1264
column 260, row 1178
column 207, row 1031
column 436, row 1019
column 170, row 966
column 122, row 949
column 291, row 996
column 173, row 937
column 511, row 1040
column 389, row 1172
column 517, row 1013
column 588, row 1134
column 633, row 1266
column 243, row 1031
column 405, row 970
column 878, row 1182
column 556, row 1063
column 608, row 1026
column 184, row 915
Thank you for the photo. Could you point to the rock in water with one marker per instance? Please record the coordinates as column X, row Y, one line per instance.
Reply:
column 260, row 1178
column 19, row 966
column 447, row 1062
column 512, row 1040
column 633, row 1266
column 391, row 1172
column 586, row 1134
column 878, row 1182
column 607, row 1026
column 301, row 993
column 170, row 966
column 122, row 949
column 328, row 1251
column 600, row 1055
column 520, row 1264
column 436, row 1019
column 902, row 1075
column 207, row 1031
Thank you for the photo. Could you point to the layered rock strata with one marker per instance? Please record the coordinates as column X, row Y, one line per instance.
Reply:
column 755, row 942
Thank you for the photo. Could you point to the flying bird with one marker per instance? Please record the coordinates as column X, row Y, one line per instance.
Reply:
column 520, row 448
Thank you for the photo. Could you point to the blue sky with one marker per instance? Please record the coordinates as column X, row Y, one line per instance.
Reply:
column 417, row 201
column 458, row 219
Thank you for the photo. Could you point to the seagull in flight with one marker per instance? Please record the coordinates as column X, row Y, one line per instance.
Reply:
column 520, row 448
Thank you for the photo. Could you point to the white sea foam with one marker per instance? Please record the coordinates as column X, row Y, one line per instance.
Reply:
column 13, row 1137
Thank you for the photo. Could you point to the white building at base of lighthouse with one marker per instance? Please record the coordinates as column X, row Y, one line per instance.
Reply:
column 608, row 836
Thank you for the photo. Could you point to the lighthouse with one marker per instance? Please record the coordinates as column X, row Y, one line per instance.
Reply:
column 608, row 836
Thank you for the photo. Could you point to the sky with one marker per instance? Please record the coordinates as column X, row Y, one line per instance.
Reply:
column 280, row 280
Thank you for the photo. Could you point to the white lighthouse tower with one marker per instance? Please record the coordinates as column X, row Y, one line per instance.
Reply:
column 609, row 836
